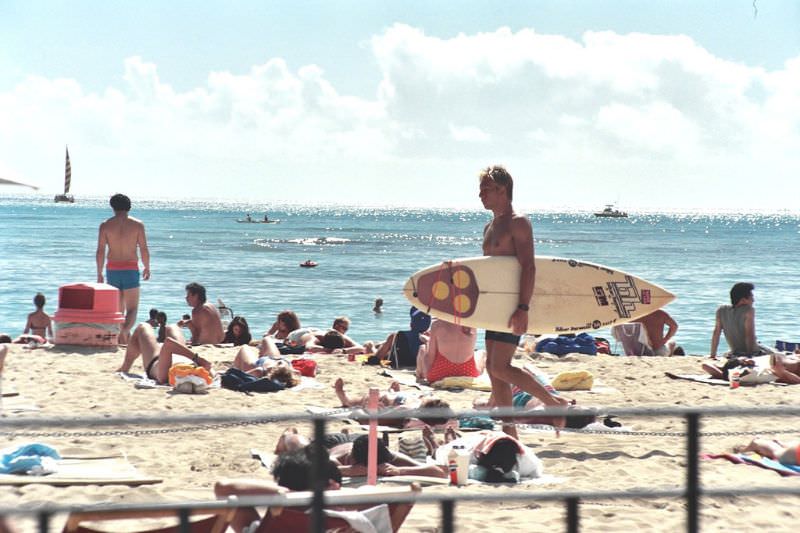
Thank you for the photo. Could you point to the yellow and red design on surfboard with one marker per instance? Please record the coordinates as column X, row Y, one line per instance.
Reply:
column 569, row 296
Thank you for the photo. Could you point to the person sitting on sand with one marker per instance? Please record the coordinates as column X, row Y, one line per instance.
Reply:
column 153, row 320
column 238, row 332
column 157, row 358
column 450, row 352
column 205, row 323
column 393, row 401
column 737, row 321
column 286, row 323
column 660, row 343
column 351, row 457
column 786, row 454
column 403, row 346
column 39, row 322
column 272, row 367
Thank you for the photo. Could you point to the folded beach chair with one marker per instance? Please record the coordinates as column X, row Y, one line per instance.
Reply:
column 633, row 337
column 217, row 522
column 293, row 519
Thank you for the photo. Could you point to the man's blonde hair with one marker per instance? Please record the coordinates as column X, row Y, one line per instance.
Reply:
column 499, row 175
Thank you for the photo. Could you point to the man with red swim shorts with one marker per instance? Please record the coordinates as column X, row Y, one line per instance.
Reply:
column 510, row 234
column 125, row 238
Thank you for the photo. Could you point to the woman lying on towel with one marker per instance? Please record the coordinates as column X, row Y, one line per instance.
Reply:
column 393, row 400
column 274, row 368
column 450, row 352
column 783, row 368
column 159, row 351
column 787, row 454
column 494, row 456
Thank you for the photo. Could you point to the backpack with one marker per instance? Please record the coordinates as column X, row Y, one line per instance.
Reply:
column 404, row 350
column 235, row 379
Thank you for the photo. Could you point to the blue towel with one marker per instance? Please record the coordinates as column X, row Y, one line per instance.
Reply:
column 22, row 458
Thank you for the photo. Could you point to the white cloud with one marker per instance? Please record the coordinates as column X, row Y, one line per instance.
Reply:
column 604, row 108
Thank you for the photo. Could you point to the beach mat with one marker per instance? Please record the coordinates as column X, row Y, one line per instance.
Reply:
column 756, row 460
column 12, row 405
column 86, row 471
column 705, row 378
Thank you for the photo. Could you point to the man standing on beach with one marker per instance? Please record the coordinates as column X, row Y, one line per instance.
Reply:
column 205, row 323
column 123, row 235
column 510, row 234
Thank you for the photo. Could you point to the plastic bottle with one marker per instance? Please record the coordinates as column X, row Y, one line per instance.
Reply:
column 734, row 376
column 452, row 466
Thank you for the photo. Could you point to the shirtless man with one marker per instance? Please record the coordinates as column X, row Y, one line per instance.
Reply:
column 654, row 325
column 123, row 235
column 510, row 234
column 206, row 323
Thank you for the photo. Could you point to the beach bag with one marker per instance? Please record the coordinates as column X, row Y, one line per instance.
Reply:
column 404, row 350
column 306, row 367
column 235, row 379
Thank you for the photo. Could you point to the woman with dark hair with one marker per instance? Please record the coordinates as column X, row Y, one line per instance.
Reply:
column 286, row 323
column 238, row 332
column 494, row 457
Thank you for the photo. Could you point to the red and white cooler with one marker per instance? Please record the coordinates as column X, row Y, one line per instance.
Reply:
column 88, row 314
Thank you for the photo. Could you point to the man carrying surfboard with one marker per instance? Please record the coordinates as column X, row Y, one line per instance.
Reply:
column 510, row 234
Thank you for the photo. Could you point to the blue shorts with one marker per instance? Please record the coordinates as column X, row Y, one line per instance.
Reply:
column 123, row 279
column 521, row 399
column 501, row 336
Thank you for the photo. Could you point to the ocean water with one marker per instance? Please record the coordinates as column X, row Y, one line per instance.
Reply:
column 364, row 253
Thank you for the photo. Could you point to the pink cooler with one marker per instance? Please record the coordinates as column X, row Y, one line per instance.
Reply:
column 88, row 314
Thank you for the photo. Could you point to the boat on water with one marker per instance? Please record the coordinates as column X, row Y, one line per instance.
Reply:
column 611, row 212
column 309, row 264
column 66, row 197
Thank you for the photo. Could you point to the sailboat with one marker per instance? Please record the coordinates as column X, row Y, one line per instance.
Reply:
column 66, row 197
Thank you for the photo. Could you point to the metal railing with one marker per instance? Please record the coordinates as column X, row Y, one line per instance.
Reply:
column 692, row 491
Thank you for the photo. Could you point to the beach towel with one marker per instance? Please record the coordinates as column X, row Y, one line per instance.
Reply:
column 481, row 383
column 33, row 459
column 756, row 460
column 705, row 378
column 573, row 380
column 16, row 404
column 85, row 471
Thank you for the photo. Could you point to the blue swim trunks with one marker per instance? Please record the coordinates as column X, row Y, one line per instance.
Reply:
column 521, row 399
column 123, row 279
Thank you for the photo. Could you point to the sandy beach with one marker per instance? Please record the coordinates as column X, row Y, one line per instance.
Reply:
column 80, row 381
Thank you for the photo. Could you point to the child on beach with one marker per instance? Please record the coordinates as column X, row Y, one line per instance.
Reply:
column 39, row 322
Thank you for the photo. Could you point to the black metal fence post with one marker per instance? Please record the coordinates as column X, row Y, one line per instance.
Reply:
column 693, row 472
column 318, row 478
column 447, row 516
column 44, row 522
column 573, row 518
column 183, row 516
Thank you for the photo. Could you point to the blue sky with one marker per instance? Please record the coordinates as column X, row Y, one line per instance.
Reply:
column 678, row 104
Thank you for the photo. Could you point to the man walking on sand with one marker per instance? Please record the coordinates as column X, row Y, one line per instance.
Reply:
column 122, row 235
column 510, row 234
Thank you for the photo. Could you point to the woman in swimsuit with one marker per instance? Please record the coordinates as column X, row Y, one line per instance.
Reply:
column 39, row 322
column 787, row 454
column 157, row 358
column 450, row 352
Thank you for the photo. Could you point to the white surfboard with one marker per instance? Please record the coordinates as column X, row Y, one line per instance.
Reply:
column 569, row 296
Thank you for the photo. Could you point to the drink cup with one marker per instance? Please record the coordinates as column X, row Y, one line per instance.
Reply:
column 462, row 467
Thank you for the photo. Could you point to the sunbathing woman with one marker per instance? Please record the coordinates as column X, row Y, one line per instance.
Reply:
column 787, row 454
column 268, row 366
column 450, row 352
column 238, row 332
column 396, row 401
column 159, row 351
